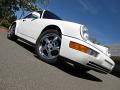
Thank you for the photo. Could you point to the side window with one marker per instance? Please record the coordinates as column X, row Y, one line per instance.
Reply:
column 47, row 15
column 30, row 16
column 50, row 15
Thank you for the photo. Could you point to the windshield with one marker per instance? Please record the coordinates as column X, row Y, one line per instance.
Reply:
column 50, row 15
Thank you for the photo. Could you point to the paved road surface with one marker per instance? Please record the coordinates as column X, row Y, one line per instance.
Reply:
column 20, row 69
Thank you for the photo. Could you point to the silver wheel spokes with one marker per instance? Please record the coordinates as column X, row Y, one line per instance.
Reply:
column 50, row 46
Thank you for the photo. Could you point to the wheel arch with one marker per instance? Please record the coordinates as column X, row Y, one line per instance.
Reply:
column 55, row 27
column 12, row 24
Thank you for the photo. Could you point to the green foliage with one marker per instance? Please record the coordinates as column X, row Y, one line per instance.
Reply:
column 27, row 5
column 9, row 7
column 44, row 3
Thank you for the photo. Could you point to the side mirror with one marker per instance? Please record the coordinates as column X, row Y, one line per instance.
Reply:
column 35, row 14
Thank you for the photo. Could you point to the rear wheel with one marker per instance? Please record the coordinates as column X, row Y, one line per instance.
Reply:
column 11, row 33
column 48, row 46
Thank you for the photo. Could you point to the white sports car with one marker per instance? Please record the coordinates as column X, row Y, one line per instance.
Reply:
column 55, row 37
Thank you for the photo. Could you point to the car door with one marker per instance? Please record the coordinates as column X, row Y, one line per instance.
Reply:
column 26, row 27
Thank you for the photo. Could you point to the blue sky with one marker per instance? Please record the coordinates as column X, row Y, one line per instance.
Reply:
column 102, row 17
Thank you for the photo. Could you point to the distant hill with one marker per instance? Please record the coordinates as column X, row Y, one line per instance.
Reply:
column 115, row 49
column 115, row 52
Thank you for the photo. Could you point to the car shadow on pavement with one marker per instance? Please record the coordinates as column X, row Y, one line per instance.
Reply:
column 26, row 46
column 62, row 65
column 69, row 69
column 116, row 70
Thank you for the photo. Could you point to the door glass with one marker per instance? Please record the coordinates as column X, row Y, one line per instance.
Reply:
column 30, row 16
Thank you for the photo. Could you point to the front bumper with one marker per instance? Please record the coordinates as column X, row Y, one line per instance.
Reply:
column 101, row 63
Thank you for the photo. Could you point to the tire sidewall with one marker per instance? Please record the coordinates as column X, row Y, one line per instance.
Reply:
column 11, row 33
column 50, row 61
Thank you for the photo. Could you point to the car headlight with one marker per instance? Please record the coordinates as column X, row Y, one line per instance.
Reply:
column 84, row 33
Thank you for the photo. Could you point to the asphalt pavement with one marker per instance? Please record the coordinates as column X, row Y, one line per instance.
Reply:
column 20, row 69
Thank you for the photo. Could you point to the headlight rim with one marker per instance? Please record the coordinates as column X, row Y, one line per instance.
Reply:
column 84, row 29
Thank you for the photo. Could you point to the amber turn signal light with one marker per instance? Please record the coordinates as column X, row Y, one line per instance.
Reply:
column 78, row 47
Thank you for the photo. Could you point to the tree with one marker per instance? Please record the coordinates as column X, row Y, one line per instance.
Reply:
column 27, row 5
column 45, row 3
column 9, row 7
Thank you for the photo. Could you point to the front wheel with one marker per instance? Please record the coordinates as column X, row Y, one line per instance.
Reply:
column 11, row 33
column 48, row 46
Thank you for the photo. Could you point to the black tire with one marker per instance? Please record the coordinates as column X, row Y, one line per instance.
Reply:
column 82, row 69
column 48, row 46
column 11, row 33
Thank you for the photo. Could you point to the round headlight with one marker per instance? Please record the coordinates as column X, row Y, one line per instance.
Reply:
column 84, row 33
